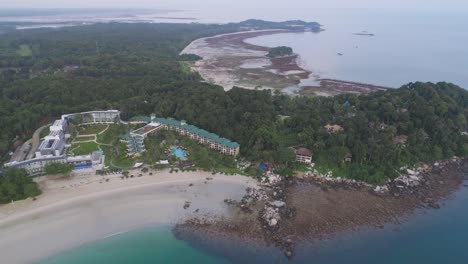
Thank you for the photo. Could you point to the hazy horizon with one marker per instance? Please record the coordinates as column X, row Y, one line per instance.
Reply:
column 434, row 5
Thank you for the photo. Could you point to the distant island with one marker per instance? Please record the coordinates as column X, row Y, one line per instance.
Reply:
column 364, row 33
column 281, row 51
column 298, row 25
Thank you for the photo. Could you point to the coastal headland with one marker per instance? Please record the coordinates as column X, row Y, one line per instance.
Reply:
column 228, row 61
column 311, row 208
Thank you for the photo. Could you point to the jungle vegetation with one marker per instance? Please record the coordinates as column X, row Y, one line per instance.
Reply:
column 136, row 68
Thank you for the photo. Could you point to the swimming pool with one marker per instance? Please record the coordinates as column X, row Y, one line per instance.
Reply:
column 179, row 153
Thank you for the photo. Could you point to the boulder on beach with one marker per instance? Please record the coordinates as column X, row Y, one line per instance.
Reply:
column 277, row 204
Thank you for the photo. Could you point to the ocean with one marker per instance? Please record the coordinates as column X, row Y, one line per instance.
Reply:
column 429, row 236
column 406, row 47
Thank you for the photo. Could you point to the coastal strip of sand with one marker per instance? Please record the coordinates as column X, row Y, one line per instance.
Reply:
column 74, row 211
column 230, row 61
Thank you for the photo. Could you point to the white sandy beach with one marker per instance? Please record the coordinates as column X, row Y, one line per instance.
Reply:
column 75, row 211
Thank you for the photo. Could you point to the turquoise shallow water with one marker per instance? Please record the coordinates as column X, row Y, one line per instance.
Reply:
column 430, row 236
column 149, row 245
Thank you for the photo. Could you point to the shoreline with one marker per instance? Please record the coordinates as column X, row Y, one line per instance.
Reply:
column 73, row 212
column 229, row 60
column 316, row 209
column 202, row 207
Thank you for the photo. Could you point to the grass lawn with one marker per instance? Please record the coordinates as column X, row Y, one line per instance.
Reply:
column 90, row 129
column 112, row 134
column 85, row 138
column 116, row 156
column 84, row 148
column 24, row 50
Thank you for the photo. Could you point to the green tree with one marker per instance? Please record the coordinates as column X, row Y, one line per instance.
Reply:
column 58, row 168
column 16, row 185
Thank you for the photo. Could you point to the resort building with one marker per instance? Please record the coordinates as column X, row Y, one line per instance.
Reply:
column 94, row 117
column 332, row 129
column 401, row 140
column 53, row 144
column 135, row 139
column 35, row 167
column 213, row 141
column 92, row 160
column 303, row 155
column 59, row 125
column 348, row 157
column 135, row 144
column 139, row 120
column 52, row 148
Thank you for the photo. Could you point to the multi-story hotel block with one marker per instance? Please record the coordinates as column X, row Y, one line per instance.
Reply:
column 135, row 138
column 94, row 117
column 52, row 148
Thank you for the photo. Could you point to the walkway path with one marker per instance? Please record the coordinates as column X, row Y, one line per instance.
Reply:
column 36, row 139
column 77, row 141
column 21, row 151
column 104, row 130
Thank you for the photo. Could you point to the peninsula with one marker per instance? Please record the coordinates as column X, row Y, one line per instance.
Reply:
column 229, row 60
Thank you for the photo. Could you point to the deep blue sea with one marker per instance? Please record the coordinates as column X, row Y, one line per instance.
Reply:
column 429, row 236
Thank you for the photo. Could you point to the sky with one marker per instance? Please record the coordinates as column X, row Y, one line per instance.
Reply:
column 214, row 4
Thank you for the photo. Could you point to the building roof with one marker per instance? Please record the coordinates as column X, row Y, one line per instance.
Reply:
column 31, row 161
column 198, row 131
column 55, row 133
column 145, row 119
column 59, row 122
column 92, row 112
column 303, row 152
column 333, row 128
column 401, row 139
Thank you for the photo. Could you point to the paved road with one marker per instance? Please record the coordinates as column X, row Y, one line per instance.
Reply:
column 35, row 141
column 21, row 151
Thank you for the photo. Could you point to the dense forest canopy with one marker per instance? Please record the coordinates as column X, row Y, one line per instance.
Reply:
column 136, row 68
column 16, row 185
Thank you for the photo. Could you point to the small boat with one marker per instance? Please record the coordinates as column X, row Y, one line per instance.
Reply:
column 340, row 54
